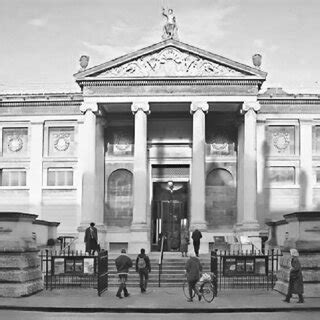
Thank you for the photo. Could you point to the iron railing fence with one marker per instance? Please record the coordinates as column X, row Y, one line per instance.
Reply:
column 245, row 270
column 103, row 274
column 66, row 269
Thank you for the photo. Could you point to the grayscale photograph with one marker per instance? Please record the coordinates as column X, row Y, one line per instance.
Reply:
column 159, row 159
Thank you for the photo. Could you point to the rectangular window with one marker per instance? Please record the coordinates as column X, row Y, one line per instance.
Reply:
column 60, row 177
column 281, row 175
column 13, row 178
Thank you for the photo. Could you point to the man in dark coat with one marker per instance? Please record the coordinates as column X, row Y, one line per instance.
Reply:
column 143, row 267
column 295, row 278
column 123, row 263
column 193, row 272
column 196, row 236
column 91, row 239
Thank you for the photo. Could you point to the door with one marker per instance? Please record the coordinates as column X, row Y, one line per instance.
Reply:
column 169, row 218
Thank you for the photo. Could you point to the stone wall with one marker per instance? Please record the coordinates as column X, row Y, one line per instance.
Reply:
column 20, row 273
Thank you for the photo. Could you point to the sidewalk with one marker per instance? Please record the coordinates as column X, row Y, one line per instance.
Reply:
column 156, row 300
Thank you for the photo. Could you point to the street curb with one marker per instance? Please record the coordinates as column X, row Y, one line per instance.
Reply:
column 158, row 310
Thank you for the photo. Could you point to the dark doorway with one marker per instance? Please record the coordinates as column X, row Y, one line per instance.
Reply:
column 169, row 214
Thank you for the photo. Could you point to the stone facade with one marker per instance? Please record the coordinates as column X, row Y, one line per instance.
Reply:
column 167, row 113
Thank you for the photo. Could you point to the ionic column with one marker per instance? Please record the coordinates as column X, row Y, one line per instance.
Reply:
column 88, row 164
column 305, row 174
column 140, row 170
column 198, row 109
column 248, row 185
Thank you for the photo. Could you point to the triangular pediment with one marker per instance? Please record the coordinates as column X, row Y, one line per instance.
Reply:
column 170, row 59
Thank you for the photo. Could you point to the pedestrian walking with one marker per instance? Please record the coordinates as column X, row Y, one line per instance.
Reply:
column 184, row 245
column 91, row 239
column 193, row 272
column 143, row 267
column 123, row 264
column 196, row 236
column 295, row 278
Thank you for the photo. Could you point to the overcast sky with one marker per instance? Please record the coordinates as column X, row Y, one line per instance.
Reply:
column 41, row 40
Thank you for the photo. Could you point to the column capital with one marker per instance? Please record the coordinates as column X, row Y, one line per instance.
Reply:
column 92, row 106
column 199, row 105
column 143, row 106
column 250, row 105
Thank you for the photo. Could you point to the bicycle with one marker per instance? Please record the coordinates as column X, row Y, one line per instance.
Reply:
column 206, row 286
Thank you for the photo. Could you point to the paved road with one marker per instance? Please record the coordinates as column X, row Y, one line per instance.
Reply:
column 26, row 315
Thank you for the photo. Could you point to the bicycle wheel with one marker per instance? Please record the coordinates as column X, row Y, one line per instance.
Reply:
column 208, row 291
column 185, row 288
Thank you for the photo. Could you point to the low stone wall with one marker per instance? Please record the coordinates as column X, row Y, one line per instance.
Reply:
column 20, row 273
column 310, row 263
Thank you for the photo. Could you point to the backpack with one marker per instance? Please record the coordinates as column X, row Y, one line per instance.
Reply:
column 141, row 263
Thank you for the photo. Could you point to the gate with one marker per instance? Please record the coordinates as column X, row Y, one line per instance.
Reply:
column 102, row 272
column 245, row 270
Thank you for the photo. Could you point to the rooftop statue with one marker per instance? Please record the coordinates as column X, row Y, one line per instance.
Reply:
column 170, row 29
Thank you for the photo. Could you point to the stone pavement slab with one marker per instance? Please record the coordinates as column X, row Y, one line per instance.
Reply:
column 156, row 300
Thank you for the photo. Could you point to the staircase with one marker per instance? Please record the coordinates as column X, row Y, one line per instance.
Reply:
column 173, row 268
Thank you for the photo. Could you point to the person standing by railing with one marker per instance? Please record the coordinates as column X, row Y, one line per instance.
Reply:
column 91, row 239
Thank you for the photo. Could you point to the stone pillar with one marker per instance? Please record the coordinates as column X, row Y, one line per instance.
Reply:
column 139, row 232
column 35, row 171
column 140, row 167
column 249, row 166
column 92, row 165
column 247, row 224
column 198, row 181
column 240, row 182
column 305, row 175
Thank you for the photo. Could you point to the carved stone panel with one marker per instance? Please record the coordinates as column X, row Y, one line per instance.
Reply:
column 15, row 142
column 119, row 141
column 221, row 140
column 170, row 62
column 61, row 142
column 281, row 140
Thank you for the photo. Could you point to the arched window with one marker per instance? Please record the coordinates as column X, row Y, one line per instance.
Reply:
column 221, row 199
column 118, row 207
column 219, row 177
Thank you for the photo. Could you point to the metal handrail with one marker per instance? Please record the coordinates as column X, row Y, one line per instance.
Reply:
column 69, row 244
column 161, row 259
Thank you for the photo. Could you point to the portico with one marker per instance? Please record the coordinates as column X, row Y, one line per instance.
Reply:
column 160, row 107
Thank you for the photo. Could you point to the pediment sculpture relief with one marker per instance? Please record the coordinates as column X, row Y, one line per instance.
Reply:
column 170, row 62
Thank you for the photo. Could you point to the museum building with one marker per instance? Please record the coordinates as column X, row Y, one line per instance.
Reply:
column 159, row 142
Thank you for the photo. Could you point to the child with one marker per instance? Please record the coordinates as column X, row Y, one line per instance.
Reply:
column 184, row 246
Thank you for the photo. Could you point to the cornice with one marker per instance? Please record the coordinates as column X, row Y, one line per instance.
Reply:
column 289, row 101
column 41, row 100
column 160, row 82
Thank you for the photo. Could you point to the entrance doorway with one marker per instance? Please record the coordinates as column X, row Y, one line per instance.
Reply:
column 169, row 215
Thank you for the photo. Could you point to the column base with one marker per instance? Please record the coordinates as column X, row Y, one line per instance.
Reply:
column 249, row 225
column 136, row 227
